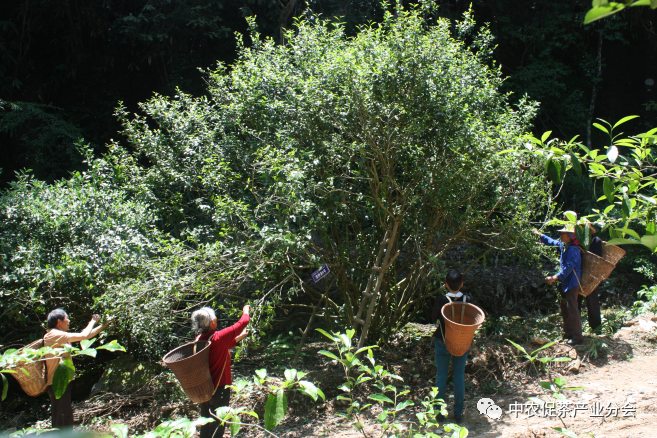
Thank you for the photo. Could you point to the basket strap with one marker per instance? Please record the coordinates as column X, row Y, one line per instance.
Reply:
column 222, row 372
column 463, row 309
column 452, row 307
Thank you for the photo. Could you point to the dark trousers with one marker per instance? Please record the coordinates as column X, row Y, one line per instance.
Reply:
column 220, row 398
column 592, row 308
column 62, row 411
column 572, row 322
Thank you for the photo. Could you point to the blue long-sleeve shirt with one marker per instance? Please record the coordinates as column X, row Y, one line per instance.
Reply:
column 570, row 263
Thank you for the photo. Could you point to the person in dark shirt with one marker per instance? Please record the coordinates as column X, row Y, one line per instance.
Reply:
column 454, row 283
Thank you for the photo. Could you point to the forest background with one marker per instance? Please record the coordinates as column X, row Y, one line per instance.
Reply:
column 105, row 211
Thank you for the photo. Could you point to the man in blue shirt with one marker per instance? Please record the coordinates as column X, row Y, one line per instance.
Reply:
column 569, row 275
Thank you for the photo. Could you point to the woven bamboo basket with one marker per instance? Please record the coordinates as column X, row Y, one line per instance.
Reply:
column 612, row 253
column 594, row 271
column 34, row 383
column 460, row 326
column 191, row 366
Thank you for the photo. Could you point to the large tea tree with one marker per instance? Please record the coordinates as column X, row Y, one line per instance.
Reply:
column 312, row 152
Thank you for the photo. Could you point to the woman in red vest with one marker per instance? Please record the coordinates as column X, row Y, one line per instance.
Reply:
column 205, row 321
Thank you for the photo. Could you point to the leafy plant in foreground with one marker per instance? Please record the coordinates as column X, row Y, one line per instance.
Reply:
column 65, row 370
column 552, row 387
column 387, row 397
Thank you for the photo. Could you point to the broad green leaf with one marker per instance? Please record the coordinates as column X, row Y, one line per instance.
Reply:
column 86, row 343
column 609, row 189
column 111, row 346
column 63, row 375
column 290, row 375
column 275, row 409
column 518, row 347
column 600, row 12
column 309, row 388
column 554, row 171
column 88, row 352
column 623, row 120
column 546, row 385
column 559, row 381
column 545, row 136
column 601, row 128
column 630, row 232
column 650, row 242
column 403, row 405
column 119, row 430
column 326, row 334
column 235, row 427
column 262, row 373
column 380, row 398
column 561, row 359
column 548, row 345
column 651, row 228
column 619, row 241
column 328, row 354
column 360, row 350
column 577, row 167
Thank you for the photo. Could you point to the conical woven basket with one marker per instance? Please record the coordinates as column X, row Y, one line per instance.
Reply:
column 594, row 271
column 459, row 332
column 192, row 369
column 33, row 383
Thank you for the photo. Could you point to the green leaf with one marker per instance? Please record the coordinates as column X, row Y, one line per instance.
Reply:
column 577, row 167
column 546, row 385
column 630, row 232
column 88, row 352
column 119, row 430
column 328, row 354
column 601, row 128
column 609, row 189
column 565, row 432
column 518, row 347
column 275, row 409
column 63, row 375
column 545, row 136
column 290, row 375
column 554, row 171
column 600, row 12
column 619, row 241
column 326, row 334
column 111, row 346
column 360, row 350
column 650, row 242
column 380, row 398
column 309, row 389
column 403, row 405
column 86, row 343
column 234, row 427
column 559, row 381
column 623, row 120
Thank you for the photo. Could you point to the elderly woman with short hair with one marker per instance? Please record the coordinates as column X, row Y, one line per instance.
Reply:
column 204, row 322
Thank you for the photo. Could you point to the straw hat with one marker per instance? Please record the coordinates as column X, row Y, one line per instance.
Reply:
column 568, row 228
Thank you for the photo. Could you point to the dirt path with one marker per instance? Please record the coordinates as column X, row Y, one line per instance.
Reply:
column 631, row 383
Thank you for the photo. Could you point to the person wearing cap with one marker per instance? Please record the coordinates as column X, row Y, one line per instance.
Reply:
column 592, row 300
column 570, row 263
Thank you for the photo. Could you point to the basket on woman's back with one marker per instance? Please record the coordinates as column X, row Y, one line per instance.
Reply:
column 190, row 364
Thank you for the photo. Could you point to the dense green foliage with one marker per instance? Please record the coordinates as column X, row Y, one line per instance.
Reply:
column 303, row 154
